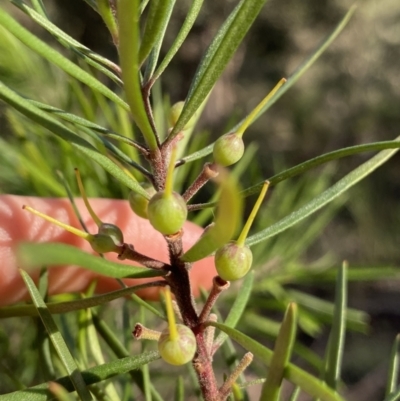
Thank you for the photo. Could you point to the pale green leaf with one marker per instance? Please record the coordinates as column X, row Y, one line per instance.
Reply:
column 281, row 357
column 226, row 222
column 221, row 50
column 33, row 255
column 327, row 196
column 57, row 340
column 91, row 376
column 128, row 22
column 54, row 126
column 56, row 58
column 297, row 376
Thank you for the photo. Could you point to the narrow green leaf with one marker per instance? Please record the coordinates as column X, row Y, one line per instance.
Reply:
column 91, row 376
column 184, row 31
column 226, row 222
column 28, row 109
column 297, row 376
column 238, row 307
column 308, row 62
column 56, row 58
column 180, row 390
column 281, row 357
column 393, row 374
column 89, row 127
column 319, row 160
column 107, row 14
column 39, row 7
column 84, row 303
column 217, row 57
column 295, row 395
column 325, row 310
column 334, row 356
column 327, row 196
column 159, row 13
column 34, row 255
column 128, row 21
column 57, row 340
column 155, row 52
column 93, row 59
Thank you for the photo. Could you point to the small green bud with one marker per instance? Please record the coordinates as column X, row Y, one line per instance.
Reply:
column 178, row 351
column 228, row 149
column 113, row 231
column 102, row 243
column 233, row 261
column 139, row 203
column 167, row 213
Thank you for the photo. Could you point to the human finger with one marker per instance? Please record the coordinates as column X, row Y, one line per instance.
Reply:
column 18, row 225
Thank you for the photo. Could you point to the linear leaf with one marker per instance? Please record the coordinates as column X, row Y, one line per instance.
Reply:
column 217, row 57
column 86, row 124
column 322, row 159
column 334, row 356
column 393, row 374
column 67, row 41
column 180, row 38
column 226, row 222
column 327, row 196
column 128, row 22
column 57, row 340
column 157, row 18
column 49, row 254
column 84, row 303
column 308, row 62
column 54, row 126
column 297, row 376
column 91, row 376
column 56, row 58
column 155, row 52
column 281, row 357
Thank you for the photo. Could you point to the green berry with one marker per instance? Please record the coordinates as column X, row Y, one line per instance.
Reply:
column 179, row 351
column 233, row 261
column 228, row 149
column 112, row 231
column 175, row 113
column 139, row 203
column 102, row 243
column 167, row 213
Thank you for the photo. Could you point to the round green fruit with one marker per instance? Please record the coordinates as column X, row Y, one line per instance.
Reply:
column 233, row 261
column 167, row 213
column 228, row 149
column 112, row 231
column 179, row 351
column 139, row 203
column 103, row 243
column 175, row 113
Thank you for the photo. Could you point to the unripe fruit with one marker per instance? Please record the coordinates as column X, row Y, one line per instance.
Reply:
column 233, row 261
column 179, row 351
column 228, row 149
column 167, row 213
column 113, row 231
column 175, row 113
column 102, row 243
column 139, row 203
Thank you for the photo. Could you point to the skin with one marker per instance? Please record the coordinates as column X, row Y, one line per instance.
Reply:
column 18, row 225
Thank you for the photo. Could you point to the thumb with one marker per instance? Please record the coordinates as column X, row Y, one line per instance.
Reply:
column 17, row 225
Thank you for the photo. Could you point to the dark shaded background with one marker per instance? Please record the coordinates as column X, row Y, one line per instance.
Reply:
column 350, row 96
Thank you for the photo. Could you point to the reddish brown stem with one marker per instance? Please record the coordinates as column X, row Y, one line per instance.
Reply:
column 127, row 251
column 219, row 285
column 209, row 171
